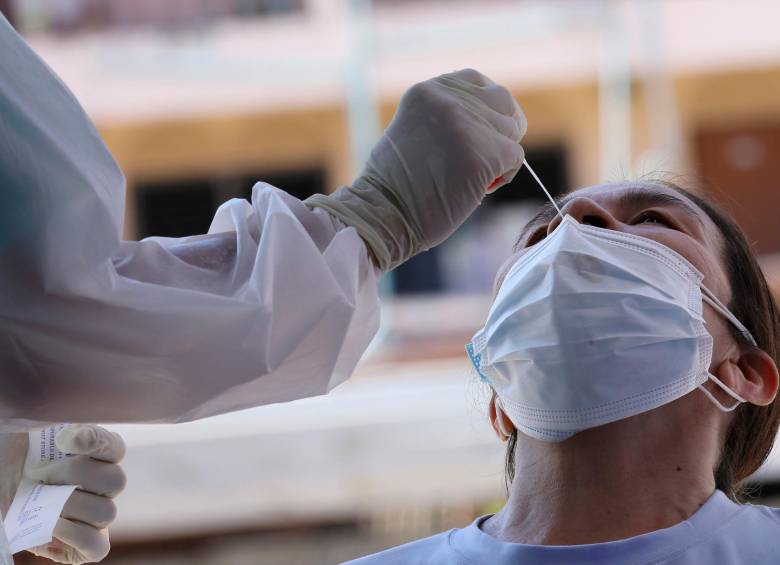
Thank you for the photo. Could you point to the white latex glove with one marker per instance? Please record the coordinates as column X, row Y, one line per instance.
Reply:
column 80, row 535
column 13, row 451
column 453, row 138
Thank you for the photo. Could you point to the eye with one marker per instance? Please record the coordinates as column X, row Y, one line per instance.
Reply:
column 651, row 217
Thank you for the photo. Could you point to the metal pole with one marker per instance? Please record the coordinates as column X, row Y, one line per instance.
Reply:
column 363, row 121
column 614, row 96
column 362, row 111
column 667, row 150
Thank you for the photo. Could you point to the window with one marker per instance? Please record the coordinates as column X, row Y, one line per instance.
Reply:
column 176, row 209
column 186, row 207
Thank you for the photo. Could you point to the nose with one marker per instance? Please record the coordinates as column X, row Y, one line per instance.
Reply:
column 585, row 211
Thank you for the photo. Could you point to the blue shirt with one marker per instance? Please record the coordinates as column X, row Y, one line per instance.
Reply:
column 721, row 531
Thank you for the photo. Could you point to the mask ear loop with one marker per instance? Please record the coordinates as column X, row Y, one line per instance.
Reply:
column 719, row 307
column 727, row 390
column 710, row 299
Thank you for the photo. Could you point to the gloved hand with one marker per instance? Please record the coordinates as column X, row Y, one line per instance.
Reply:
column 80, row 535
column 452, row 139
column 13, row 450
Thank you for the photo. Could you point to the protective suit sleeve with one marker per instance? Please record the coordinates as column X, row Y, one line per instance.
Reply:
column 277, row 302
column 5, row 549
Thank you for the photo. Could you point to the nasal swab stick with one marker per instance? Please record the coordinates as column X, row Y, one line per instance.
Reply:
column 536, row 178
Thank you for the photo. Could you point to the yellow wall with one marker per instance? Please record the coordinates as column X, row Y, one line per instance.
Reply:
column 227, row 145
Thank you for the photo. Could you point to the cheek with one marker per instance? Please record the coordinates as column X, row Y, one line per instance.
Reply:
column 722, row 339
column 706, row 260
column 716, row 281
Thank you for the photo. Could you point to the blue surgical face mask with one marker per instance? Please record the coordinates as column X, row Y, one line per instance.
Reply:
column 591, row 326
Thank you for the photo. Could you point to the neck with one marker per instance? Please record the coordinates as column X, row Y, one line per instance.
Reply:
column 605, row 484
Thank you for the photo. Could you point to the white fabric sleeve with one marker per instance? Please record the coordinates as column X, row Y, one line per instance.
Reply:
column 278, row 302
column 5, row 550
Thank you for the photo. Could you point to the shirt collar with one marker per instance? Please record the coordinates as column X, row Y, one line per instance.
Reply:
column 478, row 547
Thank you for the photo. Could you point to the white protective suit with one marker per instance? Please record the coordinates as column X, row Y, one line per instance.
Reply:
column 162, row 329
column 94, row 329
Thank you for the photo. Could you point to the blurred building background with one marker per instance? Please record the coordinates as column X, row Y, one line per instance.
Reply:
column 199, row 99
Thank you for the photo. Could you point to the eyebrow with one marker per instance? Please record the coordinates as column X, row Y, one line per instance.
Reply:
column 634, row 196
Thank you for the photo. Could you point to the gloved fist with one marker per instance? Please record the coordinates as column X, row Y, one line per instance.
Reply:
column 80, row 535
column 452, row 139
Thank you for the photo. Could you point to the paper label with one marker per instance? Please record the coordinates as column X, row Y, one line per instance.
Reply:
column 42, row 446
column 37, row 506
column 34, row 513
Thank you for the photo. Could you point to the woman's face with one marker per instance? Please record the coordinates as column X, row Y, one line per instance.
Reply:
column 654, row 211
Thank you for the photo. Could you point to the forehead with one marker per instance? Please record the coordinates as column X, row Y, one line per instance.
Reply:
column 617, row 191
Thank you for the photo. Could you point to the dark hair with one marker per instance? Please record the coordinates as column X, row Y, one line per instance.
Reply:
column 752, row 432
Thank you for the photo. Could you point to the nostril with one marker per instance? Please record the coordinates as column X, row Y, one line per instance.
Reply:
column 595, row 221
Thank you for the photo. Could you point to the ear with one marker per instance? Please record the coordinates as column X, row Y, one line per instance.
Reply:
column 501, row 423
column 753, row 375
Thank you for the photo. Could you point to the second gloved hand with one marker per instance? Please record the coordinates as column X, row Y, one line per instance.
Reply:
column 80, row 535
column 452, row 139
